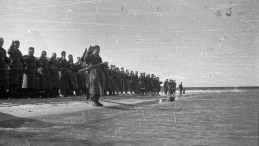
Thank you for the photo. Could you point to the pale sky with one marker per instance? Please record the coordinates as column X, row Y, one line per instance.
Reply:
column 202, row 43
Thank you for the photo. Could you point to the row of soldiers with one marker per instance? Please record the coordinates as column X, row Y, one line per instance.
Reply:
column 169, row 87
column 128, row 82
column 30, row 76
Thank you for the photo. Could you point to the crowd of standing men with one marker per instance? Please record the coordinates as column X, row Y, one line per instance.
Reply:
column 24, row 76
column 169, row 87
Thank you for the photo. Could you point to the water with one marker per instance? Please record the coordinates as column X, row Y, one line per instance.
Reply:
column 200, row 119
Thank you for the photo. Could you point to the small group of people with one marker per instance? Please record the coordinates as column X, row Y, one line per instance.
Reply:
column 24, row 76
column 169, row 87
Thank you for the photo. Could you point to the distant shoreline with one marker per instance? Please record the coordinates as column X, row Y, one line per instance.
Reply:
column 223, row 88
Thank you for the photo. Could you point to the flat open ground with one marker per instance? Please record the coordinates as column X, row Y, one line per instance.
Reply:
column 200, row 119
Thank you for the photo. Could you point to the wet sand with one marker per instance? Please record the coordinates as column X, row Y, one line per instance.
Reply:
column 216, row 118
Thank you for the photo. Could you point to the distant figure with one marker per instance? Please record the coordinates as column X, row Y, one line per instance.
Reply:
column 181, row 88
column 166, row 86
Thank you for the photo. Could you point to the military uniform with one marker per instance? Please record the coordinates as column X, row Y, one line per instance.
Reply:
column 16, row 70
column 63, row 76
column 72, row 77
column 45, row 81
column 54, row 75
column 80, row 78
column 96, row 82
column 4, row 73
column 31, row 80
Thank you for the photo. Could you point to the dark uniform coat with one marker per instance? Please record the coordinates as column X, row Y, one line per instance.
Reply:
column 142, row 82
column 72, row 77
column 53, row 70
column 96, row 85
column 63, row 73
column 80, row 78
column 4, row 71
column 31, row 78
column 16, row 68
column 45, row 81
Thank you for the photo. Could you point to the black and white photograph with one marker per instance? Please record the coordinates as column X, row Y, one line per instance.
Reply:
column 129, row 72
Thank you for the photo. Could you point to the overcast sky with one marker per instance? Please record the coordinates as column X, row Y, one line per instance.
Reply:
column 198, row 42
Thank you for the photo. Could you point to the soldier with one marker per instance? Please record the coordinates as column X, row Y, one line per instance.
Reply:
column 31, row 78
column 85, row 71
column 123, row 85
column 153, row 86
column 166, row 86
column 95, row 75
column 114, row 76
column 170, row 87
column 137, row 87
column 80, row 80
column 16, row 69
column 72, row 78
column 109, row 80
column 132, row 80
column 158, row 85
column 54, row 75
column 181, row 88
column 142, row 84
column 106, row 73
column 63, row 74
column 4, row 71
column 45, row 81
column 119, row 82
column 174, row 82
column 128, row 81
column 147, row 80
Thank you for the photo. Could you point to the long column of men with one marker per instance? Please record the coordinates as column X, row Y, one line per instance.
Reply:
column 27, row 76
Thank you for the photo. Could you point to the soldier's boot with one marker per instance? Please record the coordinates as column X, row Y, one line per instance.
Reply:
column 110, row 92
column 62, row 93
column 95, row 100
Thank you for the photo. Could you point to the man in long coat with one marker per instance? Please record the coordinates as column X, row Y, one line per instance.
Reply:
column 44, row 75
column 31, row 78
column 96, row 85
column 137, row 86
column 63, row 74
column 54, row 76
column 80, row 79
column 16, row 69
column 166, row 86
column 4, row 71
column 72, row 77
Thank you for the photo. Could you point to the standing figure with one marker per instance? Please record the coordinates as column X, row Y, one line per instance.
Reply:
column 119, row 82
column 166, row 86
column 45, row 81
column 4, row 71
column 181, row 88
column 95, row 75
column 72, row 77
column 80, row 80
column 142, row 84
column 128, row 79
column 63, row 74
column 16, row 69
column 174, row 81
column 31, row 78
column 137, row 87
column 132, row 80
column 54, row 76
column 170, row 87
